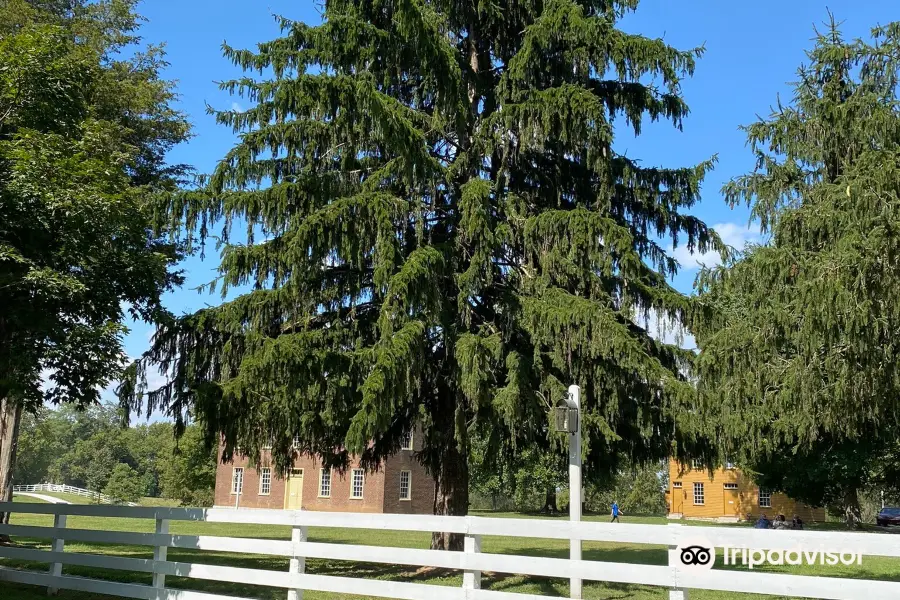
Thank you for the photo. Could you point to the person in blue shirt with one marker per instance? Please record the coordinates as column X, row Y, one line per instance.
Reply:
column 615, row 512
column 763, row 522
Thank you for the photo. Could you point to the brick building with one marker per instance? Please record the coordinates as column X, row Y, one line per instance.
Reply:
column 400, row 485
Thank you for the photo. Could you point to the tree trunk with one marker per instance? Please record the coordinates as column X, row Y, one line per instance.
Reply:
column 451, row 471
column 550, row 502
column 451, row 495
column 852, row 511
column 10, row 418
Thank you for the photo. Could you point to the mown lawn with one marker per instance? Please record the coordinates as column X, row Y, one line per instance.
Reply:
column 70, row 498
column 18, row 498
column 872, row 567
column 76, row 499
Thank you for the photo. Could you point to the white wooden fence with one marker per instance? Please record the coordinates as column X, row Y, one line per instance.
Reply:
column 65, row 489
column 472, row 562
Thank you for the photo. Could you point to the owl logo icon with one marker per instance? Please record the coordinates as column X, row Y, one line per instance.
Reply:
column 695, row 555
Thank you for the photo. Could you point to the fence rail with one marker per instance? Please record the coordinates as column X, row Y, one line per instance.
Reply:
column 472, row 562
column 65, row 489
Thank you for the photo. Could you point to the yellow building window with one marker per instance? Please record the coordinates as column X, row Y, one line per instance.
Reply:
column 699, row 496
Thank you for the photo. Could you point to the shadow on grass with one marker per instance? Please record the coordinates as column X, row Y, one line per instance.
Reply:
column 647, row 555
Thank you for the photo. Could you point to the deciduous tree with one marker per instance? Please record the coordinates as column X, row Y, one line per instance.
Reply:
column 125, row 485
column 83, row 137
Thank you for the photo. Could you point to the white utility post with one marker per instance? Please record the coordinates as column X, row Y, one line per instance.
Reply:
column 575, row 495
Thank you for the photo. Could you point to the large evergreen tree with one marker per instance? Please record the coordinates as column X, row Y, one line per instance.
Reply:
column 441, row 231
column 828, row 473
column 800, row 349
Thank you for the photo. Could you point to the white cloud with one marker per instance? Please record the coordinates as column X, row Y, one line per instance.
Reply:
column 732, row 234
column 155, row 379
column 237, row 107
column 667, row 330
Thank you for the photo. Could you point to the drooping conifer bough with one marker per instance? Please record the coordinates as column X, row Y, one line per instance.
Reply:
column 441, row 234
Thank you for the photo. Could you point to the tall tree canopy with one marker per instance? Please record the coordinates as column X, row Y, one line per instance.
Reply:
column 800, row 349
column 440, row 231
column 83, row 137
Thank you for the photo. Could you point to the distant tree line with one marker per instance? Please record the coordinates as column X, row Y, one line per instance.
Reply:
column 91, row 450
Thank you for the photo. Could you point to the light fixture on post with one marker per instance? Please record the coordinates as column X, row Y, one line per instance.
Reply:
column 565, row 415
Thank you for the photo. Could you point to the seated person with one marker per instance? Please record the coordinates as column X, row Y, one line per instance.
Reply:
column 797, row 523
column 780, row 523
column 763, row 522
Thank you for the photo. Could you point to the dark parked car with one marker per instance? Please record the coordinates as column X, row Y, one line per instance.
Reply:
column 888, row 516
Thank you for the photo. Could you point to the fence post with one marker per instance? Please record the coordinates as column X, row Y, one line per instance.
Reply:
column 298, row 561
column 472, row 577
column 59, row 522
column 676, row 593
column 160, row 554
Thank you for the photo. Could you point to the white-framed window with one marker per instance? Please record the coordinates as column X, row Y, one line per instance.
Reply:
column 729, row 465
column 765, row 498
column 296, row 442
column 405, row 485
column 265, row 481
column 237, row 480
column 699, row 496
column 676, row 485
column 696, row 464
column 731, row 486
column 325, row 483
column 357, row 477
column 406, row 442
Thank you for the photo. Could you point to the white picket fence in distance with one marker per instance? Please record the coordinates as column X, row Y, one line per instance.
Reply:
column 472, row 562
column 66, row 489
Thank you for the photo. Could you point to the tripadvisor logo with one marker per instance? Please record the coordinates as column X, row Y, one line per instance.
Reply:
column 754, row 557
column 702, row 555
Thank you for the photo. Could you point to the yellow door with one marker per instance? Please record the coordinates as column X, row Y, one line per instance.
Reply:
column 295, row 489
column 677, row 499
column 732, row 503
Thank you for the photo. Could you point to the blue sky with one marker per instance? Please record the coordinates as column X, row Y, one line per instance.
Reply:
column 753, row 50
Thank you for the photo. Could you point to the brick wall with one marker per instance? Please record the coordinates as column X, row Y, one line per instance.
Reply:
column 421, row 484
column 381, row 488
column 250, row 496
column 340, row 500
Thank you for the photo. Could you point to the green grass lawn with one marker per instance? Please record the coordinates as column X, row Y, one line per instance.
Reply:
column 872, row 568
column 70, row 498
column 76, row 499
column 18, row 498
column 148, row 501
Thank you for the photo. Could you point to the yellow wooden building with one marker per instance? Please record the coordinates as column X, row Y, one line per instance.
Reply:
column 727, row 494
